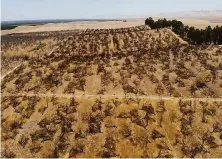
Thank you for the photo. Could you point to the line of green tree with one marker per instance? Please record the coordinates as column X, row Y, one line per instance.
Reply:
column 191, row 34
column 8, row 27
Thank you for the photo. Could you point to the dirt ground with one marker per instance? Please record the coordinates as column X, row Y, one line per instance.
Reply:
column 110, row 127
column 199, row 23
column 44, row 115
column 74, row 26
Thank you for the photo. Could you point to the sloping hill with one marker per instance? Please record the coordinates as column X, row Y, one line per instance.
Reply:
column 110, row 127
column 123, row 61
column 147, row 94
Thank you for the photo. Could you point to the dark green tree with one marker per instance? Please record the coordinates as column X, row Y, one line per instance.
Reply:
column 190, row 34
column 220, row 35
column 208, row 35
column 193, row 35
column 186, row 29
column 149, row 21
column 216, row 35
column 178, row 27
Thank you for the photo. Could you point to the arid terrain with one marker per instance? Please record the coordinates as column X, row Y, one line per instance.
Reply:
column 199, row 19
column 82, row 25
column 127, row 92
column 199, row 23
column 20, row 47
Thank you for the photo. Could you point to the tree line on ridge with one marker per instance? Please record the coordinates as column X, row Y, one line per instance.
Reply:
column 193, row 35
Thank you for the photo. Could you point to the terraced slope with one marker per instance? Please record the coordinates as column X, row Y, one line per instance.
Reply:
column 20, row 47
column 130, row 92
column 139, row 61
column 109, row 127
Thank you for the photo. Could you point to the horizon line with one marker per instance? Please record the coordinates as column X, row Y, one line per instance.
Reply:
column 112, row 17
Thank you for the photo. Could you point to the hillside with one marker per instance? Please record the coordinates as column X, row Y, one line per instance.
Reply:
column 142, row 62
column 129, row 92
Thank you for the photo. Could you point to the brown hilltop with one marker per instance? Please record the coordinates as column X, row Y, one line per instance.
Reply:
column 99, row 41
column 121, row 61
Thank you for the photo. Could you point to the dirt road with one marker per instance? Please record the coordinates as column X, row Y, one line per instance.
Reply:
column 116, row 96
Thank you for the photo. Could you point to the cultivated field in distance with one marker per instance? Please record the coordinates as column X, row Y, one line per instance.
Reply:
column 127, row 92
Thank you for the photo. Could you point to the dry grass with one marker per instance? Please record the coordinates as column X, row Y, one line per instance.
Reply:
column 129, row 61
column 64, row 127
column 18, row 54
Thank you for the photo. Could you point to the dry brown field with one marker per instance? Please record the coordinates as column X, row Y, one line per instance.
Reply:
column 127, row 92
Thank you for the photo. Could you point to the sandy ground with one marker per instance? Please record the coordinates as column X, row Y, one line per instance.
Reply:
column 199, row 23
column 75, row 25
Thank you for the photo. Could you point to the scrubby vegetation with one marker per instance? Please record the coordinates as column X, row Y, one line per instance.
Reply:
column 21, row 47
column 73, row 127
column 122, row 61
column 45, row 112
